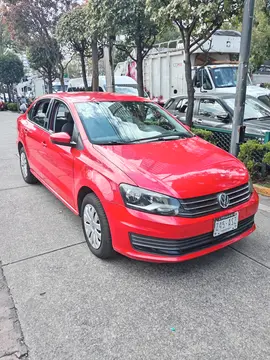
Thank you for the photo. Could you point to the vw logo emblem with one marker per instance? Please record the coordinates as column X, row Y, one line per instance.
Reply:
column 224, row 200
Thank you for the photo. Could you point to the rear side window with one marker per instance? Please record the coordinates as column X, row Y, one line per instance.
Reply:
column 39, row 113
column 170, row 104
column 182, row 106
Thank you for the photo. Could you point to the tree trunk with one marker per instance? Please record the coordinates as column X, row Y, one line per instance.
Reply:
column 50, row 82
column 12, row 94
column 9, row 95
column 62, row 81
column 190, row 88
column 140, row 69
column 84, row 71
column 95, row 82
column 111, row 60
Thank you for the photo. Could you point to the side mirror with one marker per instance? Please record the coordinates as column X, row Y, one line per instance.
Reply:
column 224, row 117
column 61, row 138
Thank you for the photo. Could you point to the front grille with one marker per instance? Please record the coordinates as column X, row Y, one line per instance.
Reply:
column 187, row 245
column 205, row 205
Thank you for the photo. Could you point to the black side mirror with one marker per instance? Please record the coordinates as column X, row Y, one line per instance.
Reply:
column 224, row 117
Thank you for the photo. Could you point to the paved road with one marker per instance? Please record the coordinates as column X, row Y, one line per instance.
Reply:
column 72, row 305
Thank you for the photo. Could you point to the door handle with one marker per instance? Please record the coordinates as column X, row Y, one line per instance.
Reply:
column 25, row 131
column 198, row 121
column 44, row 144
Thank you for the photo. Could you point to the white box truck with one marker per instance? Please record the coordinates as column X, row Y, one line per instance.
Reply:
column 214, row 66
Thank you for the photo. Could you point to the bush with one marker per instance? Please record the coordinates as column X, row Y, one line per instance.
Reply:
column 256, row 157
column 12, row 107
column 204, row 134
column 266, row 85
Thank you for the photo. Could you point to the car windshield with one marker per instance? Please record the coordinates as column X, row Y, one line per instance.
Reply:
column 128, row 121
column 126, row 90
column 224, row 77
column 253, row 109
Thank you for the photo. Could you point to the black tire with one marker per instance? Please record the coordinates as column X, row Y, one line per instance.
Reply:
column 105, row 250
column 28, row 177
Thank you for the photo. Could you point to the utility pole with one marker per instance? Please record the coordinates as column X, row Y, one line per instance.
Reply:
column 238, row 130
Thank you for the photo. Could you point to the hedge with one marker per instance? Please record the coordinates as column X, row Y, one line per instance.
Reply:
column 254, row 155
column 12, row 107
column 204, row 134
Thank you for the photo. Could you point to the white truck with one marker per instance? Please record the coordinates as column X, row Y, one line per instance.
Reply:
column 214, row 66
column 33, row 87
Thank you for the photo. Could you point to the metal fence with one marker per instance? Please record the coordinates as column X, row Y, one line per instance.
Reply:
column 222, row 138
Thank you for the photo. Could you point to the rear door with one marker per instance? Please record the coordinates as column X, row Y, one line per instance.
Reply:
column 36, row 130
column 178, row 107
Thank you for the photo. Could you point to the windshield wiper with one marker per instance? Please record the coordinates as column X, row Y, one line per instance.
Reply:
column 163, row 138
column 114, row 142
column 258, row 118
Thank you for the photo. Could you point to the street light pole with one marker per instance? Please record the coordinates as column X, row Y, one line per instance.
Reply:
column 238, row 130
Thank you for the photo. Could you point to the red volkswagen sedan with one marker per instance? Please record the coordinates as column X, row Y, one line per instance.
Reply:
column 143, row 184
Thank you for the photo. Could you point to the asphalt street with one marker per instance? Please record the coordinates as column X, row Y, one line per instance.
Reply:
column 71, row 305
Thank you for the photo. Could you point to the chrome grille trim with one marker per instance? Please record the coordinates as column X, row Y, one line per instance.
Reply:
column 205, row 205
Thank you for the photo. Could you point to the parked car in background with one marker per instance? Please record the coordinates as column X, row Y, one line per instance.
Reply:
column 216, row 111
column 2, row 105
column 144, row 185
column 123, row 85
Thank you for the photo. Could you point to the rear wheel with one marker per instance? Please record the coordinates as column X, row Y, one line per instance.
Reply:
column 28, row 177
column 96, row 227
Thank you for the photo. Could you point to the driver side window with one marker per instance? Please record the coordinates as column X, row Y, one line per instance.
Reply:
column 62, row 119
column 39, row 113
column 212, row 109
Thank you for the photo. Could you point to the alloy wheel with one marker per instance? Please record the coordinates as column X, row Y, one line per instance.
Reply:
column 92, row 226
column 24, row 165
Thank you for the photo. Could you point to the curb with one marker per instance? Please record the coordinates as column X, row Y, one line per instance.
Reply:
column 262, row 190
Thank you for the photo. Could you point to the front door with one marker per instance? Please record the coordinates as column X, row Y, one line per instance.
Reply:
column 212, row 114
column 59, row 159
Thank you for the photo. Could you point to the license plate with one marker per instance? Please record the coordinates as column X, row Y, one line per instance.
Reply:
column 226, row 224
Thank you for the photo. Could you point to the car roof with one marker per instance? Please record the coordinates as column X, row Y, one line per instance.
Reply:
column 87, row 96
column 208, row 95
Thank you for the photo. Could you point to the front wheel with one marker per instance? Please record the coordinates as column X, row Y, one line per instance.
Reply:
column 28, row 177
column 96, row 227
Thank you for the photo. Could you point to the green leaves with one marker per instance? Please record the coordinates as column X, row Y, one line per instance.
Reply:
column 11, row 69
column 73, row 30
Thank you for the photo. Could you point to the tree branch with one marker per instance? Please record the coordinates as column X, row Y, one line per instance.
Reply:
column 204, row 39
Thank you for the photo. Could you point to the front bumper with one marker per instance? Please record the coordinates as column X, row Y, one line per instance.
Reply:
column 157, row 238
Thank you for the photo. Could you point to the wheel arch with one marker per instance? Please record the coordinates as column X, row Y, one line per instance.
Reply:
column 84, row 190
column 20, row 145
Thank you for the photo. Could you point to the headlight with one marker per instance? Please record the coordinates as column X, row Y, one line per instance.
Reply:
column 149, row 201
column 250, row 186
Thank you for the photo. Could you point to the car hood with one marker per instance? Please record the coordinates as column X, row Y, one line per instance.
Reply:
column 257, row 126
column 252, row 90
column 180, row 168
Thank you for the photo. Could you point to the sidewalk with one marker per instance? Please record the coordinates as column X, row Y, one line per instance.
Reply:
column 11, row 340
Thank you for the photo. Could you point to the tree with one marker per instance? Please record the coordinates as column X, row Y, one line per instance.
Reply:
column 197, row 20
column 32, row 23
column 260, row 45
column 73, row 32
column 11, row 71
column 5, row 41
column 129, row 19
column 260, row 33
column 45, row 59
